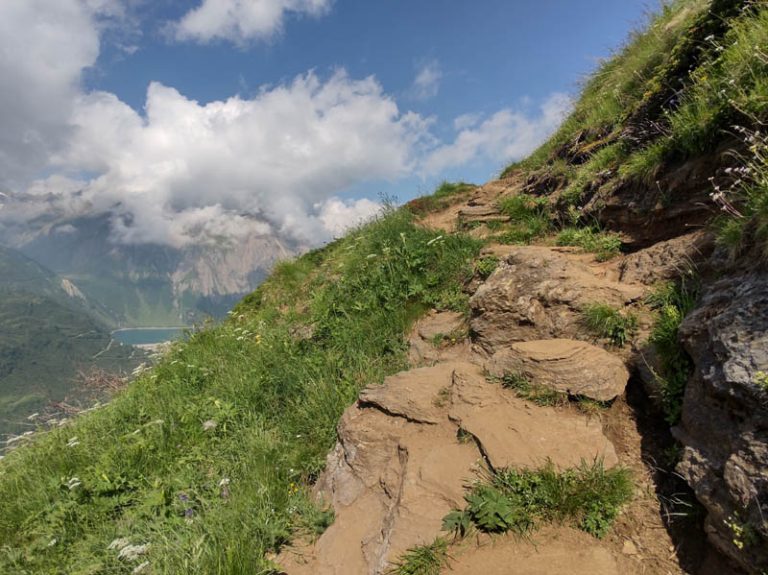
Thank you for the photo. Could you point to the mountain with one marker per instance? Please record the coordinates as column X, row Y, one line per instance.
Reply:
column 151, row 284
column 49, row 331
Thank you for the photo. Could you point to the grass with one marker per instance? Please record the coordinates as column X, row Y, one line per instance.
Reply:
column 423, row 559
column 216, row 435
column 444, row 195
column 589, row 496
column 538, row 394
column 672, row 302
column 610, row 323
column 528, row 218
column 605, row 245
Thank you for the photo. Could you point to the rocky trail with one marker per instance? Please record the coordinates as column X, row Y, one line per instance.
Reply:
column 408, row 449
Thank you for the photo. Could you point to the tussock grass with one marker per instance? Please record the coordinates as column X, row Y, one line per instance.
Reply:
column 610, row 323
column 672, row 302
column 444, row 195
column 589, row 496
column 604, row 245
column 206, row 459
column 423, row 559
column 528, row 218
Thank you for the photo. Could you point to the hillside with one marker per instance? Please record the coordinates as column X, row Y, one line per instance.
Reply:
column 148, row 284
column 49, row 333
column 562, row 370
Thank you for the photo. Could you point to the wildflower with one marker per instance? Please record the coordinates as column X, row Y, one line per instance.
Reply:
column 73, row 483
column 140, row 568
column 73, row 442
column 52, row 542
column 119, row 543
column 133, row 552
column 33, row 416
column 209, row 425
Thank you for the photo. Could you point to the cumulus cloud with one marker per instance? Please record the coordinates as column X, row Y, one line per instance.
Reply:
column 279, row 156
column 426, row 84
column 182, row 172
column 240, row 21
column 505, row 136
column 44, row 46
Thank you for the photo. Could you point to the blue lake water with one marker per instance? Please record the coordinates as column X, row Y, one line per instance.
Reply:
column 148, row 335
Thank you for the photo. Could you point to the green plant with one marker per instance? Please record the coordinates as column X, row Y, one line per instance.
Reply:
column 444, row 195
column 610, row 323
column 604, row 245
column 517, row 500
column 538, row 394
column 528, row 218
column 423, row 559
column 486, row 266
column 761, row 379
column 672, row 302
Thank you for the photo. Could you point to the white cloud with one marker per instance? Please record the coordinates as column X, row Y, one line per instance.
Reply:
column 240, row 21
column 426, row 85
column 279, row 156
column 507, row 135
column 44, row 46
column 466, row 121
column 339, row 216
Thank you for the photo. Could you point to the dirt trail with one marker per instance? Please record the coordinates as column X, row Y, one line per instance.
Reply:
column 408, row 448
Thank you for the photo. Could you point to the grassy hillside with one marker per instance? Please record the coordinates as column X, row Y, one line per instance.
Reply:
column 203, row 464
column 47, row 336
column 206, row 458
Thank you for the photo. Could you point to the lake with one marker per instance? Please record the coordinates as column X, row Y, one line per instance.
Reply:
column 148, row 335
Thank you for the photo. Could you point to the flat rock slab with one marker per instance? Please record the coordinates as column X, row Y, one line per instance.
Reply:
column 552, row 552
column 565, row 365
column 513, row 433
column 423, row 347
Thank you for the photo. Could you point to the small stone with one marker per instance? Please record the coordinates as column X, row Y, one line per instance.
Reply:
column 629, row 548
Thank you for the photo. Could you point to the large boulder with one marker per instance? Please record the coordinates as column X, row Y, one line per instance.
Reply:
column 565, row 365
column 538, row 293
column 724, row 427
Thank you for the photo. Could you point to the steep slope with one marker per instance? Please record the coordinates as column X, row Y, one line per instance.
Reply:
column 48, row 334
column 151, row 284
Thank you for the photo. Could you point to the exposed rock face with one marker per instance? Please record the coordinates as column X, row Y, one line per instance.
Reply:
column 724, row 424
column 566, row 365
column 537, row 293
column 433, row 333
column 399, row 466
column 666, row 260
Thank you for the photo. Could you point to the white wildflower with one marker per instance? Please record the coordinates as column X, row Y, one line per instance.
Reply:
column 73, row 442
column 73, row 483
column 52, row 542
column 209, row 425
column 140, row 568
column 119, row 543
column 224, row 482
column 33, row 416
column 133, row 552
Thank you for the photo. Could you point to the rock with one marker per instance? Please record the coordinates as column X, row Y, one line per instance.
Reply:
column 554, row 551
column 424, row 349
column 724, row 427
column 666, row 260
column 513, row 433
column 537, row 293
column 398, row 467
column 566, row 365
column 629, row 548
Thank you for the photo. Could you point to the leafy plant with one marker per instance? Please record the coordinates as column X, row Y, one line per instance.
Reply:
column 610, row 323
column 486, row 266
column 517, row 500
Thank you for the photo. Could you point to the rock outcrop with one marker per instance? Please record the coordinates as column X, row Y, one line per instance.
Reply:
column 572, row 367
column 724, row 424
column 401, row 464
column 537, row 293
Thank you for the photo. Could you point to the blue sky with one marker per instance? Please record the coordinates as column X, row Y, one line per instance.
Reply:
column 291, row 111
